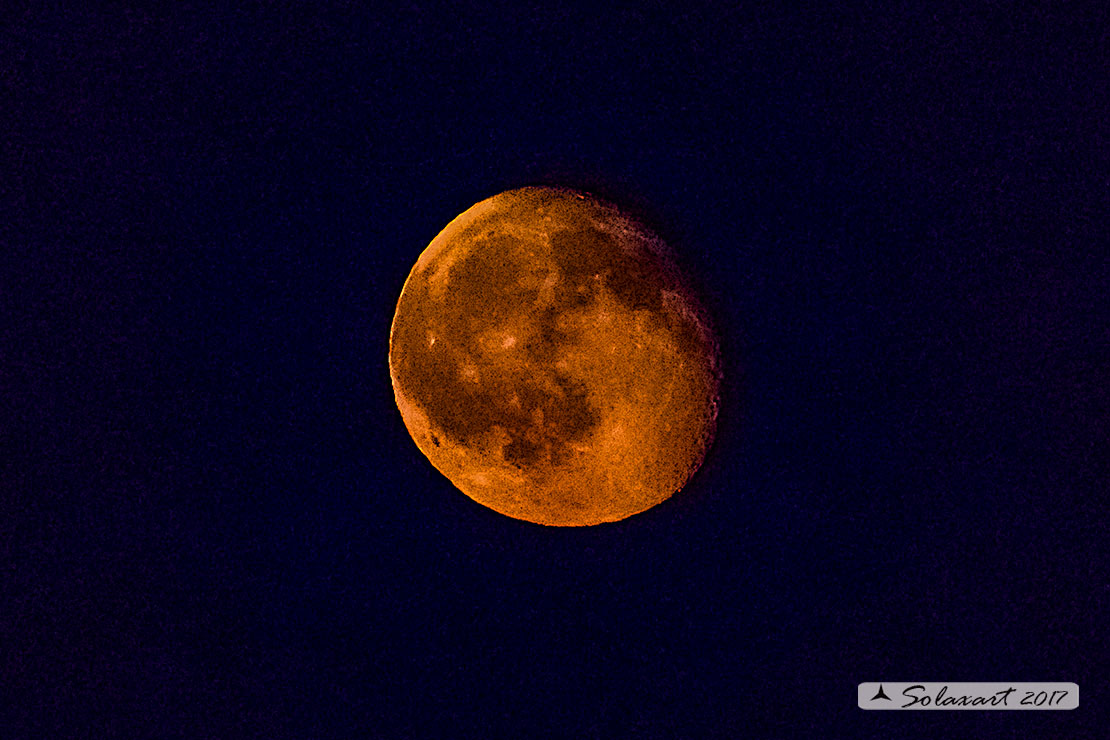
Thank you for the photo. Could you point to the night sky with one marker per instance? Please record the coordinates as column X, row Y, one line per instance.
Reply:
column 213, row 522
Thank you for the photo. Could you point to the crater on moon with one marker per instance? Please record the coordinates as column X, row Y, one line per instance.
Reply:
column 548, row 358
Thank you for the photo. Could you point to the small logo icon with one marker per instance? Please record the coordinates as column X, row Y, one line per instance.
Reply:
column 881, row 695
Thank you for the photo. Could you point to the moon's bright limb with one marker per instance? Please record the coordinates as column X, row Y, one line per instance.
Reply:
column 548, row 359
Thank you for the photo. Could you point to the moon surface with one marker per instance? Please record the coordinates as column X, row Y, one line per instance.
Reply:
column 549, row 359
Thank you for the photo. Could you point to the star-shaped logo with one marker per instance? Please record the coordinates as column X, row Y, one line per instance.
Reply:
column 881, row 695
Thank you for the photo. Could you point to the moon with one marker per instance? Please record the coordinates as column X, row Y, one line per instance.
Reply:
column 548, row 357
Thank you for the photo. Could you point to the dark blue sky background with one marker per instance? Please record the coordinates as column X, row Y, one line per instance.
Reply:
column 214, row 523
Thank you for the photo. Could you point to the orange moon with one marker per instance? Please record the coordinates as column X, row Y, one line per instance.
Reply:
column 550, row 360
